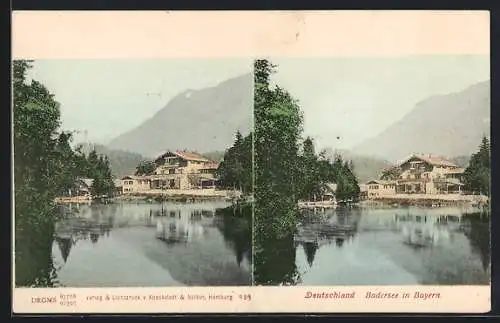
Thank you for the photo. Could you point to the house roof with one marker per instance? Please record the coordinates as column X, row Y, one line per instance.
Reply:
column 431, row 159
column 331, row 186
column 379, row 181
column 135, row 177
column 389, row 167
column 87, row 181
column 187, row 155
column 191, row 156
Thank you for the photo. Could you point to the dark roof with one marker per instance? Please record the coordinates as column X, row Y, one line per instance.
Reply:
column 432, row 160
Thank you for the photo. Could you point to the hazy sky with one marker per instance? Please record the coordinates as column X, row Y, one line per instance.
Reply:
column 109, row 97
column 357, row 98
column 350, row 98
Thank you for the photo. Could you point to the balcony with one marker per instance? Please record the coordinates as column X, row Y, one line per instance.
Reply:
column 445, row 180
column 171, row 165
column 413, row 180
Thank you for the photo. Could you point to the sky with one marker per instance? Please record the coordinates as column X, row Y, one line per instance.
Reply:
column 346, row 100
column 109, row 97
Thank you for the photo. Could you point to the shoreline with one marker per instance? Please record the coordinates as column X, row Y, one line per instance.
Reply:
column 148, row 197
column 429, row 200
column 426, row 201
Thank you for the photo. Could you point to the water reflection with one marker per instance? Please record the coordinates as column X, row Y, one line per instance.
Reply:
column 354, row 246
column 147, row 244
column 34, row 266
column 275, row 262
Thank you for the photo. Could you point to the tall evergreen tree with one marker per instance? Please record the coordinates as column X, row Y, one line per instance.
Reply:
column 235, row 170
column 283, row 175
column 278, row 124
column 145, row 168
column 477, row 175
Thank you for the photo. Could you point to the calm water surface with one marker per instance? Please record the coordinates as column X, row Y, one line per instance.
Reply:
column 152, row 245
column 357, row 246
column 392, row 246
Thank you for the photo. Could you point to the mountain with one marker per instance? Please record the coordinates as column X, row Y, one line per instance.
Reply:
column 448, row 125
column 197, row 120
column 122, row 162
column 365, row 167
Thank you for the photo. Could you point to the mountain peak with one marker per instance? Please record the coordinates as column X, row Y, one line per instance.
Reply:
column 202, row 120
column 447, row 125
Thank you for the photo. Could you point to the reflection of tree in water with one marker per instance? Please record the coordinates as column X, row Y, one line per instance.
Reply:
column 275, row 261
column 65, row 244
column 310, row 249
column 476, row 227
column 69, row 230
column 94, row 237
column 33, row 255
column 235, row 224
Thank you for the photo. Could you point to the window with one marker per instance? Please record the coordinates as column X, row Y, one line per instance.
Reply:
column 171, row 171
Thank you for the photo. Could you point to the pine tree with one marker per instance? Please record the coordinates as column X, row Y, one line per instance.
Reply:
column 145, row 168
column 477, row 174
column 235, row 170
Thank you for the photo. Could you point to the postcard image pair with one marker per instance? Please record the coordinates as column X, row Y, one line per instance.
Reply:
column 295, row 162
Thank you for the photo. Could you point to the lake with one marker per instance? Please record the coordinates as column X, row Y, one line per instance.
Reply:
column 391, row 246
column 151, row 244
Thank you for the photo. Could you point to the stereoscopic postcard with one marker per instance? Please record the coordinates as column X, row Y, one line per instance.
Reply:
column 251, row 162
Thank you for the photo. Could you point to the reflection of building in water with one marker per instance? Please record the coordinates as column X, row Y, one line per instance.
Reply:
column 338, row 227
column 182, row 225
column 417, row 227
column 427, row 229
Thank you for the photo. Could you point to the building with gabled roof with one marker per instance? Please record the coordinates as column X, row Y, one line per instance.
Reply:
column 419, row 174
column 176, row 170
column 83, row 186
column 429, row 174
